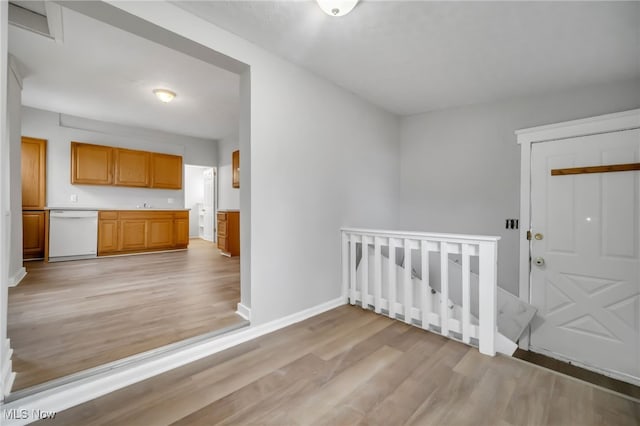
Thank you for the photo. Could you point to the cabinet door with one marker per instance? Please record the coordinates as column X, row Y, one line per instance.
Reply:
column 181, row 229
column 34, row 157
column 33, row 234
column 166, row 171
column 91, row 164
column 107, row 236
column 133, row 234
column 235, row 167
column 160, row 233
column 132, row 168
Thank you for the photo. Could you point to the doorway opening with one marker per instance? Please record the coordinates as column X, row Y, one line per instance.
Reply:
column 200, row 198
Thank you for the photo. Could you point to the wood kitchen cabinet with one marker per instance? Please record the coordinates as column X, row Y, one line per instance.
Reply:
column 181, row 229
column 105, row 165
column 235, row 169
column 33, row 223
column 107, row 232
column 166, row 171
column 160, row 233
column 229, row 232
column 33, row 172
column 91, row 164
column 131, row 167
column 135, row 231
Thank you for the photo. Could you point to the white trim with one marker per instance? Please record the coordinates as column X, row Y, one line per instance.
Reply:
column 8, row 376
column 244, row 311
column 83, row 390
column 526, row 137
column 586, row 126
column 54, row 21
column 13, row 66
column 614, row 374
column 17, row 277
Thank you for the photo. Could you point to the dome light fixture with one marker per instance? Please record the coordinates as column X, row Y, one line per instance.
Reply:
column 337, row 7
column 164, row 95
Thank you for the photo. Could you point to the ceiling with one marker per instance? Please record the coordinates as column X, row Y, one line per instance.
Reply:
column 418, row 56
column 104, row 73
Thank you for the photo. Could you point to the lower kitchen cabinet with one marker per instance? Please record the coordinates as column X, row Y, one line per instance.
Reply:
column 229, row 232
column 33, row 233
column 135, row 231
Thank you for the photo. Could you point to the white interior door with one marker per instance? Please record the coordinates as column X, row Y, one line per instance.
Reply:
column 207, row 206
column 588, row 289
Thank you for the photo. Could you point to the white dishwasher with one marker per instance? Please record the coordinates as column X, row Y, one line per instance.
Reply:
column 73, row 234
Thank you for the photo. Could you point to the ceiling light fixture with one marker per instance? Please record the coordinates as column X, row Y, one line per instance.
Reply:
column 337, row 7
column 164, row 95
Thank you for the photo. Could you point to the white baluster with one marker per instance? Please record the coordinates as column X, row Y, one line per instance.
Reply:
column 345, row 266
column 466, row 295
column 444, row 289
column 352, row 264
column 392, row 279
column 408, row 284
column 364, row 264
column 377, row 274
column 488, row 297
column 425, row 290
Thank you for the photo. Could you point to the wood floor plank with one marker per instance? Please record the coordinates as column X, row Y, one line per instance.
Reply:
column 396, row 375
column 67, row 317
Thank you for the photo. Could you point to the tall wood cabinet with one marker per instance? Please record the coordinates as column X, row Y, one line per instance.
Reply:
column 229, row 232
column 33, row 176
column 33, row 234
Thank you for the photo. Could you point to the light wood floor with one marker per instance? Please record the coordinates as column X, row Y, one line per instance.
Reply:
column 70, row 316
column 348, row 366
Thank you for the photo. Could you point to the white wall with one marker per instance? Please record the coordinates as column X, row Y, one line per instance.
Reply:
column 460, row 168
column 14, row 99
column 60, row 130
column 228, row 196
column 193, row 194
column 320, row 158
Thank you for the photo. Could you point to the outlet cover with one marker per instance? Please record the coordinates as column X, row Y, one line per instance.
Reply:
column 73, row 198
column 170, row 200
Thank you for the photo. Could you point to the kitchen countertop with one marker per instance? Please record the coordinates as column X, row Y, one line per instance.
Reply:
column 133, row 209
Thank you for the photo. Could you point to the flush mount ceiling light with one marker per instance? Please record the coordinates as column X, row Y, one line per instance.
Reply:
column 164, row 95
column 337, row 7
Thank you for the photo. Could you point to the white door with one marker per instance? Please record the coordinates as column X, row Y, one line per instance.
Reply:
column 207, row 206
column 588, row 289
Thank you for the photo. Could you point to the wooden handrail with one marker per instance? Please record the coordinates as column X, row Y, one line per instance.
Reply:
column 596, row 169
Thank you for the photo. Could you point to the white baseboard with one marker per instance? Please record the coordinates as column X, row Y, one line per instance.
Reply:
column 6, row 373
column 17, row 277
column 244, row 311
column 83, row 390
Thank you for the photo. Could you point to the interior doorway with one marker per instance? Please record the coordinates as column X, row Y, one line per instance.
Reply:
column 201, row 199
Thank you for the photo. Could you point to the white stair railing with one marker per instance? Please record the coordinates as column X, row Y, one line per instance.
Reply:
column 369, row 291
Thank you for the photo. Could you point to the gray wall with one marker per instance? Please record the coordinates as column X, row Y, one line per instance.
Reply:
column 60, row 130
column 460, row 168
column 14, row 99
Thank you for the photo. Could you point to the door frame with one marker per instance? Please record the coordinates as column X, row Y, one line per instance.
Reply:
column 625, row 120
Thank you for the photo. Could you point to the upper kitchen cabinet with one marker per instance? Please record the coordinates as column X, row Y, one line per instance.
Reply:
column 131, row 167
column 91, row 164
column 105, row 165
column 235, row 167
column 166, row 171
column 34, row 154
